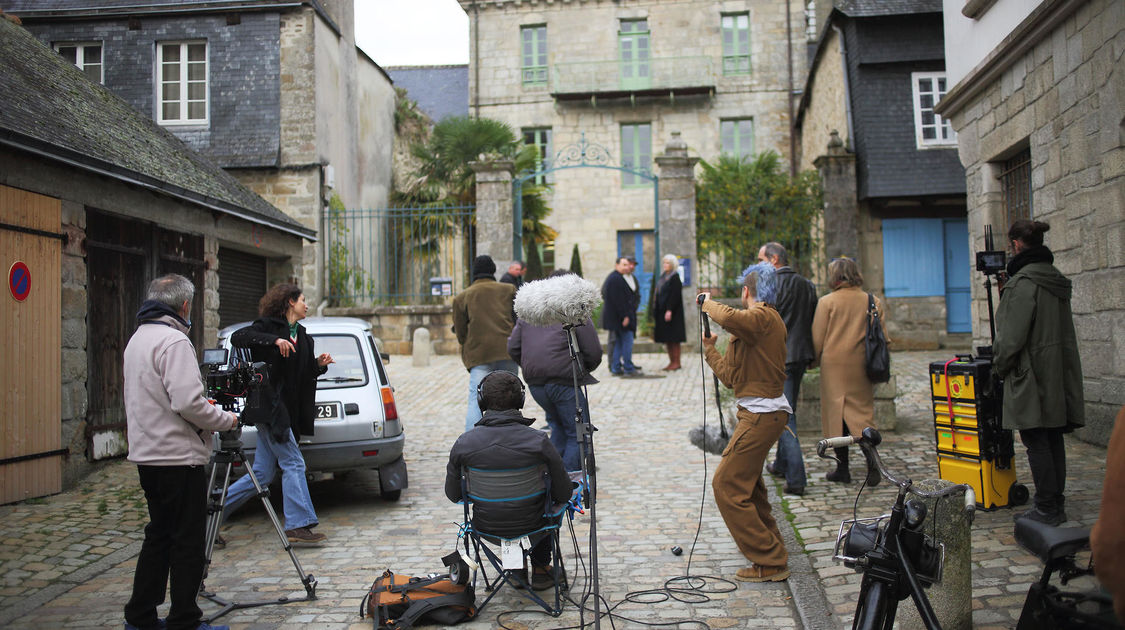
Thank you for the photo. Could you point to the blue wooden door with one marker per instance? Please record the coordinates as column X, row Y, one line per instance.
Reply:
column 639, row 244
column 958, row 273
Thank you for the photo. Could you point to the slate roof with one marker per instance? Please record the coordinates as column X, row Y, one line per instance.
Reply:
column 440, row 91
column 873, row 8
column 51, row 110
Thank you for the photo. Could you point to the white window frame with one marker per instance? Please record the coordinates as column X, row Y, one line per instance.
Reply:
column 946, row 136
column 182, row 80
column 80, row 56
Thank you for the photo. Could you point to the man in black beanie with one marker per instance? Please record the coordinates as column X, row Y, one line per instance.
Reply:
column 483, row 319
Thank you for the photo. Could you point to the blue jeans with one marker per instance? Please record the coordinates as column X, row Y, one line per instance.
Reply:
column 622, row 352
column 789, row 458
column 294, row 487
column 476, row 375
column 558, row 403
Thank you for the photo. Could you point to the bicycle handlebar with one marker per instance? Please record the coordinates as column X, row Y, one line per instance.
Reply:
column 868, row 442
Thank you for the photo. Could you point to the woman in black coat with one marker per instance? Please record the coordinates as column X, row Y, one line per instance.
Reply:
column 287, row 407
column 668, row 312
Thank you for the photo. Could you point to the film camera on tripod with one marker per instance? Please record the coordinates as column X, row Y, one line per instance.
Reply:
column 236, row 386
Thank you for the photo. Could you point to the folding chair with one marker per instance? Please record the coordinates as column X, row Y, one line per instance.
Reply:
column 528, row 487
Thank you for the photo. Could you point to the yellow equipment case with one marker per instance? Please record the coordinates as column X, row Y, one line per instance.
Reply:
column 973, row 448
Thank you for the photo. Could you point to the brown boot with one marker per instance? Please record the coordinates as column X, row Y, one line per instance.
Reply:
column 674, row 355
column 671, row 360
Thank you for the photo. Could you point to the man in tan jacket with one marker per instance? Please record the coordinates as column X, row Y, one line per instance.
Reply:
column 754, row 367
column 482, row 320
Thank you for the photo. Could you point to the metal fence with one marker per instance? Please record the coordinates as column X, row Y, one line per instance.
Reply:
column 398, row 255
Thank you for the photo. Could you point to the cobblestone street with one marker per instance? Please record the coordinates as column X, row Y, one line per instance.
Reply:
column 67, row 560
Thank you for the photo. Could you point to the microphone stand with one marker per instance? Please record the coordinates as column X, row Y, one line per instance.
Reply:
column 585, row 433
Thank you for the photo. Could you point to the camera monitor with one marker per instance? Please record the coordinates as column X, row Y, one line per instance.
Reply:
column 215, row 356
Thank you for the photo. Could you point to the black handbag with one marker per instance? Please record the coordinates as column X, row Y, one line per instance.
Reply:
column 878, row 361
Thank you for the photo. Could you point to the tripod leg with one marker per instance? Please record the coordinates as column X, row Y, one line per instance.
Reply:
column 223, row 460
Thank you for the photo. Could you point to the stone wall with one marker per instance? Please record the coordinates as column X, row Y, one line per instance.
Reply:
column 1063, row 98
column 394, row 326
column 825, row 104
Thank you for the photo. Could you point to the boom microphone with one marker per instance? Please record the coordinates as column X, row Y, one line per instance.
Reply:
column 568, row 299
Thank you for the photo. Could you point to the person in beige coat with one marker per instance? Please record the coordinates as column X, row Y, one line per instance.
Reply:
column 839, row 329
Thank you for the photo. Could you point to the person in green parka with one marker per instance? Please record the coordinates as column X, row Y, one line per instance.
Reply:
column 1036, row 353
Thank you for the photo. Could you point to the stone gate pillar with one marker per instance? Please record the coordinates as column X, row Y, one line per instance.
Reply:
column 676, row 203
column 494, row 210
column 841, row 211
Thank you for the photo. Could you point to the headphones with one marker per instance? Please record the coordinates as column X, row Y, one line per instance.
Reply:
column 480, row 390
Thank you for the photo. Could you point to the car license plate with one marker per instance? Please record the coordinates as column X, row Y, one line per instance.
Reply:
column 327, row 411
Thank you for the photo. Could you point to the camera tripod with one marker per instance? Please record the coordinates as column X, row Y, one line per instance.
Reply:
column 222, row 461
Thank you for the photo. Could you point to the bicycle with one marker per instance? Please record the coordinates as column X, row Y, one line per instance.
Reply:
column 892, row 552
column 1047, row 607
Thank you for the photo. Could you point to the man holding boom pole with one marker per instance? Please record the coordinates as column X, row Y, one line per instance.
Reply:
column 754, row 367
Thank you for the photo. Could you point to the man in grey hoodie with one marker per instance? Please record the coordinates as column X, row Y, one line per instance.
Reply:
column 169, row 428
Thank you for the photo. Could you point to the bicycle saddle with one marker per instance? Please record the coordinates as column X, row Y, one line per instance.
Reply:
column 1049, row 542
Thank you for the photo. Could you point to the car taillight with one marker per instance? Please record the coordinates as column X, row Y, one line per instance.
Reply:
column 389, row 410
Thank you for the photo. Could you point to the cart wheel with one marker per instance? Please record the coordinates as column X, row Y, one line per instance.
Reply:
column 1017, row 494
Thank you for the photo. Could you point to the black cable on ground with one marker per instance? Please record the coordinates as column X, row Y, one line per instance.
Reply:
column 687, row 588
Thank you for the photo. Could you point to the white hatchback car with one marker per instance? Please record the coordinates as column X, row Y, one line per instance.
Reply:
column 357, row 425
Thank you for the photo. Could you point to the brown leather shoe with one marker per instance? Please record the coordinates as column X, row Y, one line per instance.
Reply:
column 757, row 573
column 305, row 536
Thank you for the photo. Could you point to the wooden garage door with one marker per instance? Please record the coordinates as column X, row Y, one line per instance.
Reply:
column 30, row 346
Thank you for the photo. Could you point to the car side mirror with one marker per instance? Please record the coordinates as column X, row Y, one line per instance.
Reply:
column 385, row 357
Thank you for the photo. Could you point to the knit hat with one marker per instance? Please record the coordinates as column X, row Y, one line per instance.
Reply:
column 483, row 266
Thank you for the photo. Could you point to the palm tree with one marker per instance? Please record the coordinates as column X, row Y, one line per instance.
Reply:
column 444, row 176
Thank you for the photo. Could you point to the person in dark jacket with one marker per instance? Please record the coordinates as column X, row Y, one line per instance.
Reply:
column 796, row 303
column 619, row 316
column 514, row 274
column 668, row 311
column 504, row 440
column 288, row 407
column 1036, row 353
column 543, row 354
column 483, row 317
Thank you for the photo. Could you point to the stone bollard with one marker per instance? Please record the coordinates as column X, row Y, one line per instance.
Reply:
column 952, row 600
column 422, row 349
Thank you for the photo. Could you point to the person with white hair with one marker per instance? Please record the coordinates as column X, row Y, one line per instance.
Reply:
column 668, row 311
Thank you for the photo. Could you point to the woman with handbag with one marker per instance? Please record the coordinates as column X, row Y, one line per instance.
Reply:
column 839, row 331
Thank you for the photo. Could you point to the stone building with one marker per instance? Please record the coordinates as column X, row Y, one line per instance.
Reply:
column 439, row 91
column 96, row 200
column 1037, row 99
column 276, row 93
column 613, row 80
column 893, row 187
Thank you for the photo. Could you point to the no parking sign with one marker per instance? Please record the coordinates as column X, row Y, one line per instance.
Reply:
column 19, row 280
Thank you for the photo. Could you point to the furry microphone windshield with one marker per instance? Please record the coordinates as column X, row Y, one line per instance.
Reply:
column 568, row 299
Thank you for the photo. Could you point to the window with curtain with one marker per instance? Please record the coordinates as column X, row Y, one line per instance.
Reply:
column 736, row 43
column 533, row 44
column 182, row 83
column 636, row 153
column 736, row 137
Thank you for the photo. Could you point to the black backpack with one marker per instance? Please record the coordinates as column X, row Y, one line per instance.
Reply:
column 398, row 602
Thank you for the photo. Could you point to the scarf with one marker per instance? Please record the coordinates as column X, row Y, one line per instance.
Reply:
column 1037, row 253
column 151, row 309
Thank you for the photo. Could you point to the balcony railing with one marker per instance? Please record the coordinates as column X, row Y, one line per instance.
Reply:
column 620, row 78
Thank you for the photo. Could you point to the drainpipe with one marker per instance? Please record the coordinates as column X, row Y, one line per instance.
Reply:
column 847, row 89
column 476, row 59
column 789, row 91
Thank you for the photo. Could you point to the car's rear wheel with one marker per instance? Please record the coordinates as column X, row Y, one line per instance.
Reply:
column 391, row 495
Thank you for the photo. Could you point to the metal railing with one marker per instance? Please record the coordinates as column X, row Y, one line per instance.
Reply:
column 392, row 255
column 629, row 76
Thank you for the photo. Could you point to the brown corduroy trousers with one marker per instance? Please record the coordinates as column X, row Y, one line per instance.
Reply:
column 740, row 492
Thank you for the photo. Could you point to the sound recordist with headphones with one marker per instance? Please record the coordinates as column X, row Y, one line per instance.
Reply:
column 503, row 440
